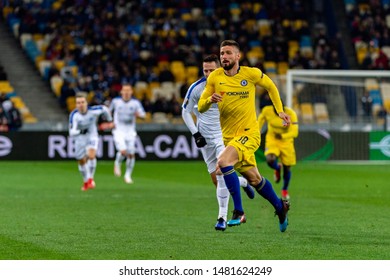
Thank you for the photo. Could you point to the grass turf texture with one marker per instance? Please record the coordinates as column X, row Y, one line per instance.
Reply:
column 338, row 212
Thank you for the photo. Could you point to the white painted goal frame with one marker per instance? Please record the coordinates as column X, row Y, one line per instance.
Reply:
column 296, row 75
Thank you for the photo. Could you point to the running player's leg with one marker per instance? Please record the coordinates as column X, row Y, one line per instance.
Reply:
column 130, row 160
column 121, row 152
column 265, row 189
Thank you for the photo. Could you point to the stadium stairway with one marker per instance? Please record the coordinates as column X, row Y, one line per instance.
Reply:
column 27, row 82
column 345, row 33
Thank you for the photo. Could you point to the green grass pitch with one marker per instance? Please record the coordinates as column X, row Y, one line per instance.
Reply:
column 338, row 212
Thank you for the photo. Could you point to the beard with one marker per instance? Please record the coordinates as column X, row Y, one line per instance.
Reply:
column 228, row 66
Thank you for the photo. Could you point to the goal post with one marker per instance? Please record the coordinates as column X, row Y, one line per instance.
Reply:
column 333, row 98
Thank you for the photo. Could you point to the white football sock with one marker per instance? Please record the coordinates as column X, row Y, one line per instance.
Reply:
column 92, row 167
column 119, row 158
column 130, row 166
column 243, row 181
column 84, row 171
column 222, row 197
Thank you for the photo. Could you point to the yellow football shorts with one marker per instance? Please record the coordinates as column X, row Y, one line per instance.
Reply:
column 246, row 146
column 284, row 150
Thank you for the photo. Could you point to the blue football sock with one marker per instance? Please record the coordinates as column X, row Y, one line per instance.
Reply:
column 266, row 190
column 233, row 184
column 274, row 165
column 286, row 179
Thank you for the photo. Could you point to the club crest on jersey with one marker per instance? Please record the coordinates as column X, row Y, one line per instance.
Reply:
column 244, row 83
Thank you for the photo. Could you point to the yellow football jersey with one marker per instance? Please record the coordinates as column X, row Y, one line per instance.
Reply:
column 237, row 108
column 275, row 123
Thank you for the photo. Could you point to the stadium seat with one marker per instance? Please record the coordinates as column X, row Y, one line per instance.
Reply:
column 264, row 27
column 385, row 91
column 178, row 70
column 293, row 47
column 386, row 104
column 70, row 103
column 321, row 113
column 59, row 64
column 5, row 87
column 56, row 83
column 307, row 113
column 270, row 67
column 192, row 73
column 255, row 54
column 386, row 50
column 147, row 119
column 24, row 38
column 141, row 88
column 282, row 67
column 163, row 64
column 371, row 84
column 160, row 117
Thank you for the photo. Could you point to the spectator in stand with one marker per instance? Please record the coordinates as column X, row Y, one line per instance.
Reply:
column 174, row 107
column 13, row 115
column 67, row 90
column 381, row 62
column 367, row 63
column 166, row 75
column 3, row 119
column 160, row 105
column 366, row 101
column 146, row 103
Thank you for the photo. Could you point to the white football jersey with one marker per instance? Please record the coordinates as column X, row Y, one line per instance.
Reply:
column 125, row 113
column 87, row 123
column 208, row 123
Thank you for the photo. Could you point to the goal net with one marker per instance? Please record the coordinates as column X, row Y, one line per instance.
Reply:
column 346, row 100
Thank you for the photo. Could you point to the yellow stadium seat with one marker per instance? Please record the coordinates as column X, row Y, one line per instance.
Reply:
column 307, row 113
column 70, row 103
column 56, row 83
column 293, row 47
column 186, row 16
column 235, row 11
column 192, row 74
column 6, row 11
column 59, row 64
column 178, row 70
column 386, row 104
column 264, row 27
column 37, row 36
column 5, row 87
column 256, row 7
column 163, row 64
column 371, row 84
column 282, row 67
column 385, row 91
column 321, row 113
column 38, row 59
column 270, row 67
column 18, row 102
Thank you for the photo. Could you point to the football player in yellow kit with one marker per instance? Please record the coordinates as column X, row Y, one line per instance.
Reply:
column 279, row 144
column 233, row 88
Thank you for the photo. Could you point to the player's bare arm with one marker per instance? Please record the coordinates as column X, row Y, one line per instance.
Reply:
column 286, row 118
column 215, row 98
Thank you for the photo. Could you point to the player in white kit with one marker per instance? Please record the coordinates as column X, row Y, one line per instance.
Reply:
column 208, row 137
column 83, row 129
column 125, row 110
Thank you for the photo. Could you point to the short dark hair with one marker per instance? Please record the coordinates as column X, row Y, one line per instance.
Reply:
column 211, row 58
column 230, row 43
